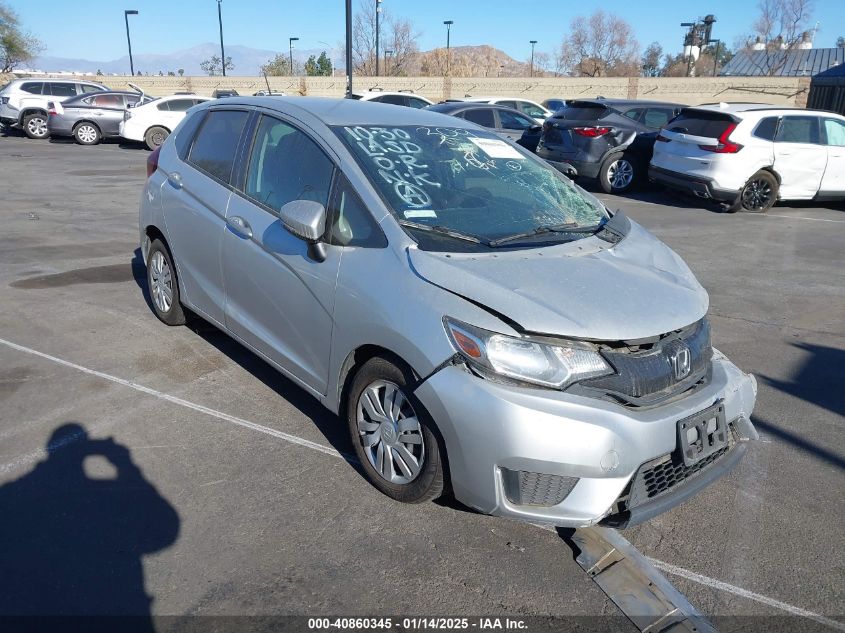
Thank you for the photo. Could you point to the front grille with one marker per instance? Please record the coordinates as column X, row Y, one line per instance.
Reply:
column 660, row 475
column 536, row 489
column 647, row 376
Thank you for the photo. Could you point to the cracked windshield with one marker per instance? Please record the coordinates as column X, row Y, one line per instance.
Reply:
column 470, row 185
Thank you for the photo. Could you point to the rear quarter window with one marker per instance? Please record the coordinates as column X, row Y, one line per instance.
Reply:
column 187, row 132
column 583, row 112
column 766, row 128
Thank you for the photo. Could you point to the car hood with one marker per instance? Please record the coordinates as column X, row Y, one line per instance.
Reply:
column 588, row 289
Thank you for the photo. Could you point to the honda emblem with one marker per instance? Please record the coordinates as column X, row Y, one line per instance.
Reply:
column 680, row 359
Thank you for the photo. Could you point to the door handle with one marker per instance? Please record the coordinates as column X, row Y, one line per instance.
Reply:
column 239, row 226
column 175, row 179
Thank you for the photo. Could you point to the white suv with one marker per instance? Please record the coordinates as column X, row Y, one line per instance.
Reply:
column 154, row 121
column 403, row 98
column 23, row 102
column 748, row 156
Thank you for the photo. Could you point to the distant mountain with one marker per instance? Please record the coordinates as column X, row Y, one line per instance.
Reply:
column 247, row 61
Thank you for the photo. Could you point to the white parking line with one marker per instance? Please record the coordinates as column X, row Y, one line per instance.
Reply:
column 800, row 217
column 672, row 569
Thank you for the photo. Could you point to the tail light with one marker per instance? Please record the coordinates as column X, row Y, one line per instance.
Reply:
column 725, row 146
column 152, row 161
column 591, row 132
column 127, row 115
column 4, row 100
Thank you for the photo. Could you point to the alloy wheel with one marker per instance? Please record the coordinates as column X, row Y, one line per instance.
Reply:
column 161, row 282
column 390, row 432
column 86, row 133
column 620, row 174
column 37, row 126
column 757, row 195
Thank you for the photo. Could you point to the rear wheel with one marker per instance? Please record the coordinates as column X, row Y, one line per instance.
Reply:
column 35, row 125
column 155, row 136
column 618, row 173
column 758, row 195
column 162, row 285
column 87, row 134
column 392, row 434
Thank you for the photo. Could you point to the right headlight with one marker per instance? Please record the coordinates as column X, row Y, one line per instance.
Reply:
column 524, row 359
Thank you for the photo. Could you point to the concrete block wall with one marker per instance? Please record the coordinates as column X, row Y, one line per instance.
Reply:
column 690, row 91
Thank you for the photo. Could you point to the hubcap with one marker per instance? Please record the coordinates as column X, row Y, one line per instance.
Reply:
column 158, row 138
column 37, row 126
column 757, row 195
column 620, row 173
column 390, row 432
column 161, row 282
column 86, row 133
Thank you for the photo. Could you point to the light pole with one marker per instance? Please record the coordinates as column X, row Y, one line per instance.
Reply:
column 532, row 42
column 387, row 53
column 349, row 48
column 378, row 10
column 448, row 24
column 715, row 55
column 291, row 40
column 220, row 22
column 126, row 15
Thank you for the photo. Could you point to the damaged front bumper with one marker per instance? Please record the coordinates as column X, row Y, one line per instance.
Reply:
column 569, row 460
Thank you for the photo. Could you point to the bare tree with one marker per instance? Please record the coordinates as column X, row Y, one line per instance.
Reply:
column 781, row 26
column 600, row 46
column 213, row 65
column 16, row 46
column 395, row 34
column 840, row 41
column 651, row 60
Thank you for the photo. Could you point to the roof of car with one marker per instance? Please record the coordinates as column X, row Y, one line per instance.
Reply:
column 452, row 106
column 474, row 99
column 333, row 111
column 624, row 102
column 378, row 93
column 734, row 107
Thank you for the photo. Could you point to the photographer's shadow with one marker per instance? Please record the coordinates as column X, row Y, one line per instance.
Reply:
column 73, row 532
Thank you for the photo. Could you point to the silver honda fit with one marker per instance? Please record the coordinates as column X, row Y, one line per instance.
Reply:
column 480, row 323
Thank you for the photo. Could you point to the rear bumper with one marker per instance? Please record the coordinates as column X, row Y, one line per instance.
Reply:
column 588, row 169
column 59, row 126
column 695, row 185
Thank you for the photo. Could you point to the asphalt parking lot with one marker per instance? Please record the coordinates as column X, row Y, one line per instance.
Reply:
column 214, row 496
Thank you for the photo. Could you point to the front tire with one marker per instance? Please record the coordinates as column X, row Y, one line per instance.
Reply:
column 35, row 126
column 87, row 134
column 155, row 137
column 163, row 286
column 618, row 173
column 393, row 434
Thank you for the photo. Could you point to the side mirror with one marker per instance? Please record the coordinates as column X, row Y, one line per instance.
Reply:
column 306, row 220
column 535, row 128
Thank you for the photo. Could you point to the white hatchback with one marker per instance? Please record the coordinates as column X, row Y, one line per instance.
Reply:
column 154, row 121
column 748, row 156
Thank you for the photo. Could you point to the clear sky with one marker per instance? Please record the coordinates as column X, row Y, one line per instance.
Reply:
column 94, row 29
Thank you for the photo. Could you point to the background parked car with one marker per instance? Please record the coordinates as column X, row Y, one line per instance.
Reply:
column 608, row 139
column 90, row 118
column 554, row 104
column 749, row 155
column 504, row 121
column 402, row 98
column 532, row 109
column 154, row 121
column 224, row 92
column 24, row 102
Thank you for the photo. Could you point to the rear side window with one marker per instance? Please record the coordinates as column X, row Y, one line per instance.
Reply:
column 798, row 129
column 32, row 87
column 392, row 99
column 513, row 121
column 414, row 102
column 531, row 110
column 583, row 112
column 700, row 123
column 83, row 88
column 217, row 141
column 351, row 223
column 657, row 117
column 766, row 129
column 106, row 101
column 507, row 104
column 62, row 90
column 482, row 116
column 179, row 105
column 187, row 132
column 286, row 165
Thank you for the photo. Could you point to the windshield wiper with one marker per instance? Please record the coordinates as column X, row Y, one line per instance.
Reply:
column 443, row 230
column 566, row 227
